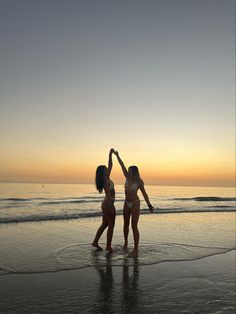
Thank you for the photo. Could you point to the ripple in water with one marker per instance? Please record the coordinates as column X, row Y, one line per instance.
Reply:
column 77, row 256
column 81, row 255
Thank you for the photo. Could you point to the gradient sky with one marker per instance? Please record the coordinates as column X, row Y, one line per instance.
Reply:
column 153, row 79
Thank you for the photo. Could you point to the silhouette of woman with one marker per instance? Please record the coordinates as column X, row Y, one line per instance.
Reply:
column 103, row 182
column 132, row 203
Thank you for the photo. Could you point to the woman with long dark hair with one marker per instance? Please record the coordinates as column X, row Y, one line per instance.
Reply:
column 132, row 203
column 103, row 182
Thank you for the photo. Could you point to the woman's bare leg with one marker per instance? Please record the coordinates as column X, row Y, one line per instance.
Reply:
column 110, row 218
column 126, row 216
column 100, row 232
column 135, row 218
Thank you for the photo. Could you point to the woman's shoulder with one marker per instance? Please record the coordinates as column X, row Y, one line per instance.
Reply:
column 140, row 182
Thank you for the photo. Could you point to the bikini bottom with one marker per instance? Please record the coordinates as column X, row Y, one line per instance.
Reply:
column 131, row 204
column 112, row 201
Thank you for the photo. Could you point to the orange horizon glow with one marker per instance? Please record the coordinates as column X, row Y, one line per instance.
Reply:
column 160, row 174
column 165, row 165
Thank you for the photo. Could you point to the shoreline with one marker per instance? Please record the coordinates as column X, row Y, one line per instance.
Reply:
column 132, row 264
column 201, row 286
column 53, row 245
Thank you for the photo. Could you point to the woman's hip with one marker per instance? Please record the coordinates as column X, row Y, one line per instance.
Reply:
column 132, row 204
column 108, row 204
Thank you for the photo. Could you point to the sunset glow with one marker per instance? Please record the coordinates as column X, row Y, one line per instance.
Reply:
column 79, row 79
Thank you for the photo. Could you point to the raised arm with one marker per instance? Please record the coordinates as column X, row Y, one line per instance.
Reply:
column 121, row 164
column 142, row 188
column 110, row 164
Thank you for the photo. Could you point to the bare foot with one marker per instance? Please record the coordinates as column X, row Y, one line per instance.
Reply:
column 109, row 249
column 99, row 248
column 134, row 253
column 125, row 246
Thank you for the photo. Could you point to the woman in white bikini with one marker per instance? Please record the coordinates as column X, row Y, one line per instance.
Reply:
column 132, row 203
column 103, row 182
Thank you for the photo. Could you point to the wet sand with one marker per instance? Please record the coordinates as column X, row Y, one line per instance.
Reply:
column 197, row 277
column 202, row 286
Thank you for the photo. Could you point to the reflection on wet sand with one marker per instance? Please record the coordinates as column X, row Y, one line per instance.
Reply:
column 129, row 291
column 103, row 303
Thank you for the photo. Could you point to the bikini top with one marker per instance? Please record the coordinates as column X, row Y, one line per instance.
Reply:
column 111, row 184
column 133, row 187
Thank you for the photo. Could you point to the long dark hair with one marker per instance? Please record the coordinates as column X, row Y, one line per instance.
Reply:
column 100, row 178
column 134, row 172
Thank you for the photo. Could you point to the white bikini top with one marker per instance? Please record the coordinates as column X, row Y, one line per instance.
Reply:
column 133, row 187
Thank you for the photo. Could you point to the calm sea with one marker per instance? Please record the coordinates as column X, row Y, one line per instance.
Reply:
column 37, row 202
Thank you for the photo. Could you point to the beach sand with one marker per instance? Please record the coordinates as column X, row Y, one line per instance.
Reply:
column 186, row 265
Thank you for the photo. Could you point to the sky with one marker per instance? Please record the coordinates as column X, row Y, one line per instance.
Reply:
column 153, row 78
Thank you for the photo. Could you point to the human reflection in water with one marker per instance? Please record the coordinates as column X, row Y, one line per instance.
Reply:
column 104, row 301
column 131, row 292
column 121, row 297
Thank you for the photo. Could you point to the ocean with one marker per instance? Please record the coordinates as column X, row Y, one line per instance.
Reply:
column 40, row 202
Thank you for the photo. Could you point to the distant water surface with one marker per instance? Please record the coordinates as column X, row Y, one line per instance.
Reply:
column 37, row 202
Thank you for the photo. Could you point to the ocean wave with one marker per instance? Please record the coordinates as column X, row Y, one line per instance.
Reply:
column 221, row 206
column 38, row 218
column 206, row 199
column 21, row 199
column 95, row 199
column 50, row 201
column 70, row 202
column 93, row 214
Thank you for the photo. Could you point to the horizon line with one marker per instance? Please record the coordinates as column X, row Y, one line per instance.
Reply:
column 147, row 184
